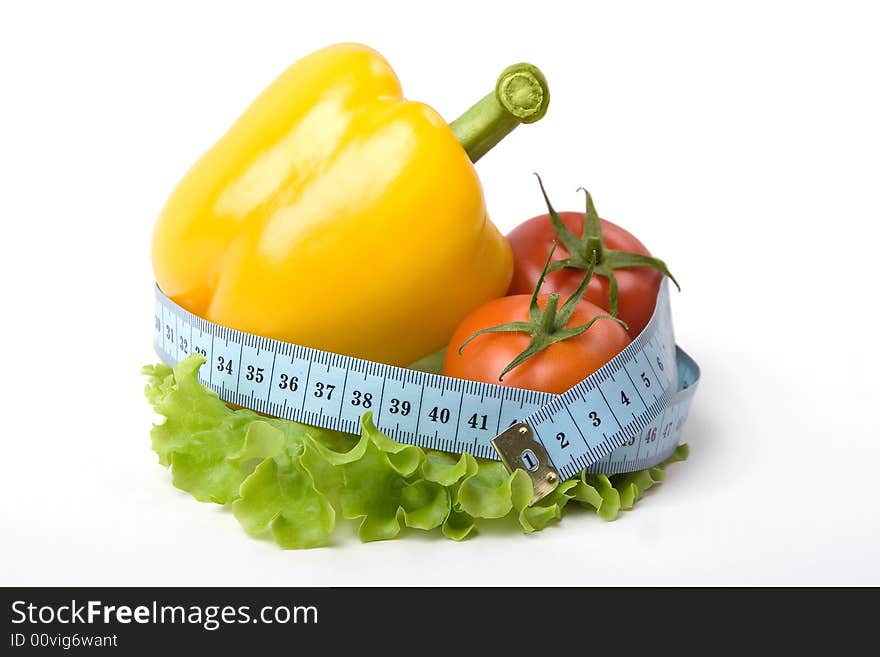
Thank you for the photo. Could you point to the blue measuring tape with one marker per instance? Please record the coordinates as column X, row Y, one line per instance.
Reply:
column 626, row 416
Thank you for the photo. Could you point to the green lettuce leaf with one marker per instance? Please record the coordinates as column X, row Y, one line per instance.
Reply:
column 280, row 496
column 294, row 482
column 200, row 437
column 487, row 492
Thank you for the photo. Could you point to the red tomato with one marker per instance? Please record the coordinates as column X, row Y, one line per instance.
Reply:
column 637, row 286
column 555, row 369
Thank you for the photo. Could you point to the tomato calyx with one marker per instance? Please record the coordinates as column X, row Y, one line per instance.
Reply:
column 588, row 252
column 546, row 326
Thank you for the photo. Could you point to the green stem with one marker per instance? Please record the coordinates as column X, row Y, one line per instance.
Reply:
column 594, row 249
column 521, row 95
column 548, row 319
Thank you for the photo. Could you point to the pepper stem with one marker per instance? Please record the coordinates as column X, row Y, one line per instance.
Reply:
column 521, row 95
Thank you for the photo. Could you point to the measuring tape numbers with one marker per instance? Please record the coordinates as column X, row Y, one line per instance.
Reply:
column 626, row 416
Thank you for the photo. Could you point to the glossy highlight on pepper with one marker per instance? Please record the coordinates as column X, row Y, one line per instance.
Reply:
column 336, row 214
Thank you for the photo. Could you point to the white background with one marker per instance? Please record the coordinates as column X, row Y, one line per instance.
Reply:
column 738, row 140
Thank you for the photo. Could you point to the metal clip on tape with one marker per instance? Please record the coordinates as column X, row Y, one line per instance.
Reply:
column 518, row 448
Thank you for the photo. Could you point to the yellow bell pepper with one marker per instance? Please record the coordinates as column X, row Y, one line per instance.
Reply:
column 338, row 215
